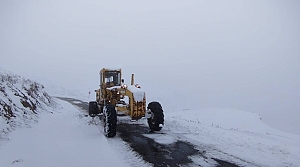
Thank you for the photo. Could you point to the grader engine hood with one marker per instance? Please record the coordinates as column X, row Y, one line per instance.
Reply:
column 137, row 102
column 137, row 93
column 136, row 107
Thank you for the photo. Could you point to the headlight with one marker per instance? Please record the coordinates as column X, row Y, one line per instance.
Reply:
column 124, row 86
column 137, row 85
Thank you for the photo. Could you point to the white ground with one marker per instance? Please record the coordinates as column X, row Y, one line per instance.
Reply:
column 66, row 137
column 228, row 132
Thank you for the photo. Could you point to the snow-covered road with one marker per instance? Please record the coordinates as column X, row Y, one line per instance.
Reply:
column 61, row 139
column 160, row 148
column 213, row 137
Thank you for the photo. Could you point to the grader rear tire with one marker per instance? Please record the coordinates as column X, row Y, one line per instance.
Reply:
column 93, row 108
column 157, row 116
column 110, row 120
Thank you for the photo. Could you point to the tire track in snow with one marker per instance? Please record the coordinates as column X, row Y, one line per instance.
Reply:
column 121, row 147
column 179, row 153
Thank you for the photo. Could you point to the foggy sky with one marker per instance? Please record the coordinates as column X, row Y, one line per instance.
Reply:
column 236, row 54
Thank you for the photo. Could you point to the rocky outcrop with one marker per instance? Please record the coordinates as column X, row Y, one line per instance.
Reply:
column 21, row 101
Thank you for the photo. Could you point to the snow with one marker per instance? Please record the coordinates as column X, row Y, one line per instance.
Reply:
column 16, row 90
column 112, row 69
column 113, row 87
column 190, row 56
column 161, row 138
column 63, row 139
column 237, row 133
column 64, row 136
column 138, row 93
column 59, row 134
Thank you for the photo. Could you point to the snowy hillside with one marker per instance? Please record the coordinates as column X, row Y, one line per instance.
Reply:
column 20, row 102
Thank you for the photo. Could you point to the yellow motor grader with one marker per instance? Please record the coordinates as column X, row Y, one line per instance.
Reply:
column 114, row 96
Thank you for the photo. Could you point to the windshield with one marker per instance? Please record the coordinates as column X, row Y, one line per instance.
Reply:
column 112, row 78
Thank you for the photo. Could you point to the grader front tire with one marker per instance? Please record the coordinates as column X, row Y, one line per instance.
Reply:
column 110, row 120
column 157, row 117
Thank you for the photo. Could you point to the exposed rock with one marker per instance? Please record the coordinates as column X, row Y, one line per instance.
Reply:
column 21, row 100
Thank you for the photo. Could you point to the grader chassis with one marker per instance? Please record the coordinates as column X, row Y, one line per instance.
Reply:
column 114, row 96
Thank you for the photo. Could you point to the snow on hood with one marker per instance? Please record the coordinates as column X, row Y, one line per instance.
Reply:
column 113, row 87
column 138, row 93
column 112, row 69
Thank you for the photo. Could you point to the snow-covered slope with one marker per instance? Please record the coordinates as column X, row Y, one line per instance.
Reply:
column 69, row 138
column 229, row 133
column 20, row 102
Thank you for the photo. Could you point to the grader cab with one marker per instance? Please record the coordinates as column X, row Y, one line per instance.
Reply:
column 114, row 96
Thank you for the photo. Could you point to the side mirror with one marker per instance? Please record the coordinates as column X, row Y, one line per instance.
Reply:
column 122, row 80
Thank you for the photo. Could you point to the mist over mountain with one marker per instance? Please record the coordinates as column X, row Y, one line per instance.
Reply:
column 231, row 54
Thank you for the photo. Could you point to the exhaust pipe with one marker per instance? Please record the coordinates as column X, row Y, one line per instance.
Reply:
column 132, row 79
